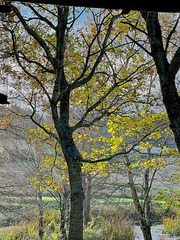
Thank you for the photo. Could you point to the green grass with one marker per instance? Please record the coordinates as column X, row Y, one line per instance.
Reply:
column 49, row 199
column 28, row 202
column 125, row 201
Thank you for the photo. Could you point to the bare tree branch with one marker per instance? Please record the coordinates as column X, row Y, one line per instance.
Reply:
column 105, row 43
column 41, row 17
column 140, row 45
column 24, row 69
column 171, row 33
column 41, row 42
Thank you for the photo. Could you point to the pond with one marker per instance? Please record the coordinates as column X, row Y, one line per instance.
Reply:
column 157, row 231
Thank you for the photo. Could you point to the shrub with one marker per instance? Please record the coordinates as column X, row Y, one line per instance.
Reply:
column 119, row 229
column 111, row 228
column 29, row 231
column 23, row 232
column 172, row 224
column 93, row 233
column 51, row 215
column 107, row 211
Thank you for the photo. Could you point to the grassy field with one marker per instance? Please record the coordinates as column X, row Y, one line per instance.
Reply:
column 27, row 202
column 123, row 201
column 19, row 209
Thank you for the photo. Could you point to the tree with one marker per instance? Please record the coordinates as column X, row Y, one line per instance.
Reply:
column 15, row 188
column 166, row 55
column 60, row 73
column 137, row 129
column 151, row 126
column 50, row 175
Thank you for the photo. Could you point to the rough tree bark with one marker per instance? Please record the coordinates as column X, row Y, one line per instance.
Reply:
column 41, row 213
column 73, row 159
column 166, row 71
column 147, row 204
column 146, row 193
column 64, row 210
column 145, row 227
column 61, row 122
column 87, row 185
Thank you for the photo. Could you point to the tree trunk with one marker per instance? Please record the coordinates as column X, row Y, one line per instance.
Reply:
column 146, row 193
column 87, row 185
column 147, row 203
column 62, row 224
column 171, row 101
column 76, row 213
column 73, row 159
column 41, row 214
column 146, row 229
column 166, row 71
column 63, row 209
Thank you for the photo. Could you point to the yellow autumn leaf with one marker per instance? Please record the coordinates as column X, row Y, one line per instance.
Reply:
column 93, row 31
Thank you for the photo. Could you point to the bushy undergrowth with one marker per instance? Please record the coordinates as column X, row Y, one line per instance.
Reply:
column 115, row 228
column 29, row 231
column 102, row 227
column 172, row 224
column 158, row 211
column 20, row 232
column 111, row 222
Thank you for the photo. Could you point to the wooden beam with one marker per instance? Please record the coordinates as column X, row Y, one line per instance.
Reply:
column 139, row 5
column 5, row 8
